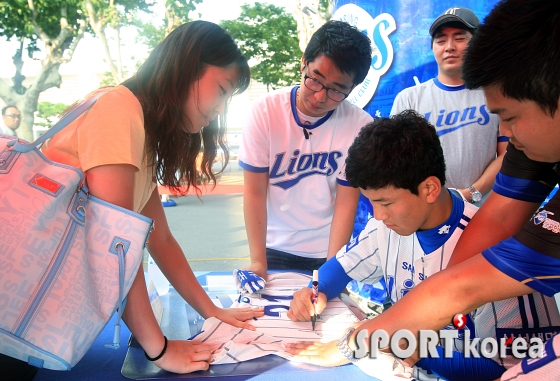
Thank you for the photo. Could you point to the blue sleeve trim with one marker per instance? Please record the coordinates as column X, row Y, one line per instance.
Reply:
column 332, row 278
column 521, row 189
column 460, row 368
column 502, row 139
column 343, row 182
column 526, row 265
column 250, row 168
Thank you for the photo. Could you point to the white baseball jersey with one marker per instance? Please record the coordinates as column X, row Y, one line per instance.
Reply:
column 466, row 129
column 303, row 173
column 274, row 329
column 379, row 252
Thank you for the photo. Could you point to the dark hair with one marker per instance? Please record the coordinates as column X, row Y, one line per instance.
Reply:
column 516, row 49
column 400, row 151
column 345, row 45
column 7, row 107
column 162, row 86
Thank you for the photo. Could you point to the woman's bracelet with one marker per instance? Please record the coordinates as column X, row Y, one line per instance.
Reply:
column 160, row 355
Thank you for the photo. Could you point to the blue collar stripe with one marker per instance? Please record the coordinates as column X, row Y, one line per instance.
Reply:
column 296, row 117
column 449, row 88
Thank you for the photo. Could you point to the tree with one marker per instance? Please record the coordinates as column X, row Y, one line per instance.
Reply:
column 103, row 16
column 50, row 31
column 59, row 26
column 310, row 15
column 49, row 112
column 177, row 12
column 267, row 36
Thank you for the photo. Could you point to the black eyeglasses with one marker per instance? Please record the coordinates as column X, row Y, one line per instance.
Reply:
column 14, row 116
column 314, row 85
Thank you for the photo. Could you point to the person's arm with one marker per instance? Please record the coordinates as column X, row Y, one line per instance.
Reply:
column 342, row 224
column 332, row 281
column 180, row 356
column 520, row 187
column 500, row 215
column 486, row 180
column 459, row 289
column 335, row 274
column 170, row 258
column 255, row 214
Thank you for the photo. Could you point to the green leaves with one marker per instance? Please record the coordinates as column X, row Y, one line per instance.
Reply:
column 267, row 36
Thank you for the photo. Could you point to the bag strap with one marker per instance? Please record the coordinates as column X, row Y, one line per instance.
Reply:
column 122, row 301
column 19, row 145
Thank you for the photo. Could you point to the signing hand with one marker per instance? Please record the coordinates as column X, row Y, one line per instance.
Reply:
column 322, row 354
column 301, row 308
column 239, row 317
column 184, row 357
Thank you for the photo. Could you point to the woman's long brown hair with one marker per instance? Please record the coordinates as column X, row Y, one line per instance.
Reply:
column 162, row 86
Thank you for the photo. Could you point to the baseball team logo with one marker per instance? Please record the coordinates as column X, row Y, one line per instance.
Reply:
column 378, row 31
column 542, row 217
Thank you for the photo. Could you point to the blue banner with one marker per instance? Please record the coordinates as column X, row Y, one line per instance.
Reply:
column 402, row 51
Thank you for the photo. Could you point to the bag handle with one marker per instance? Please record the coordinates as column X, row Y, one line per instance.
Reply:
column 19, row 145
column 122, row 301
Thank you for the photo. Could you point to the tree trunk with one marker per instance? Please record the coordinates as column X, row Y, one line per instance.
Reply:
column 58, row 50
column 27, row 103
column 308, row 19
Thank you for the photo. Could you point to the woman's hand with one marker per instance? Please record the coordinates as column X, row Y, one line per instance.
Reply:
column 185, row 356
column 238, row 316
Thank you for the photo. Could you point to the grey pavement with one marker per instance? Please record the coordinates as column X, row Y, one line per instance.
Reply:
column 211, row 230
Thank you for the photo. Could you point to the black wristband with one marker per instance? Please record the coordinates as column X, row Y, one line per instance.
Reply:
column 160, row 355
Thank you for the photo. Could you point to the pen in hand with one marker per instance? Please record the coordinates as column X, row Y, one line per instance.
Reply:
column 315, row 296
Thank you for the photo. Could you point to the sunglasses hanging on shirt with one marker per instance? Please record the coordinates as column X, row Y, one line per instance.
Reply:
column 306, row 127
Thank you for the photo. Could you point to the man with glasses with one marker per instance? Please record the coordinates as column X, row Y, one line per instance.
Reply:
column 12, row 119
column 298, row 207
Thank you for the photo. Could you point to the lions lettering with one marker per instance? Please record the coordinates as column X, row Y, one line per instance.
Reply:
column 299, row 167
column 455, row 119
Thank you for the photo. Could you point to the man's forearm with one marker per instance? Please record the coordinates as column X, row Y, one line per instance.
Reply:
column 493, row 223
column 486, row 180
column 434, row 302
column 255, row 225
column 343, row 219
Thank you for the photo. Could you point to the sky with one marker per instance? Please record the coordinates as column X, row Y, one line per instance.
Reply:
column 89, row 54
